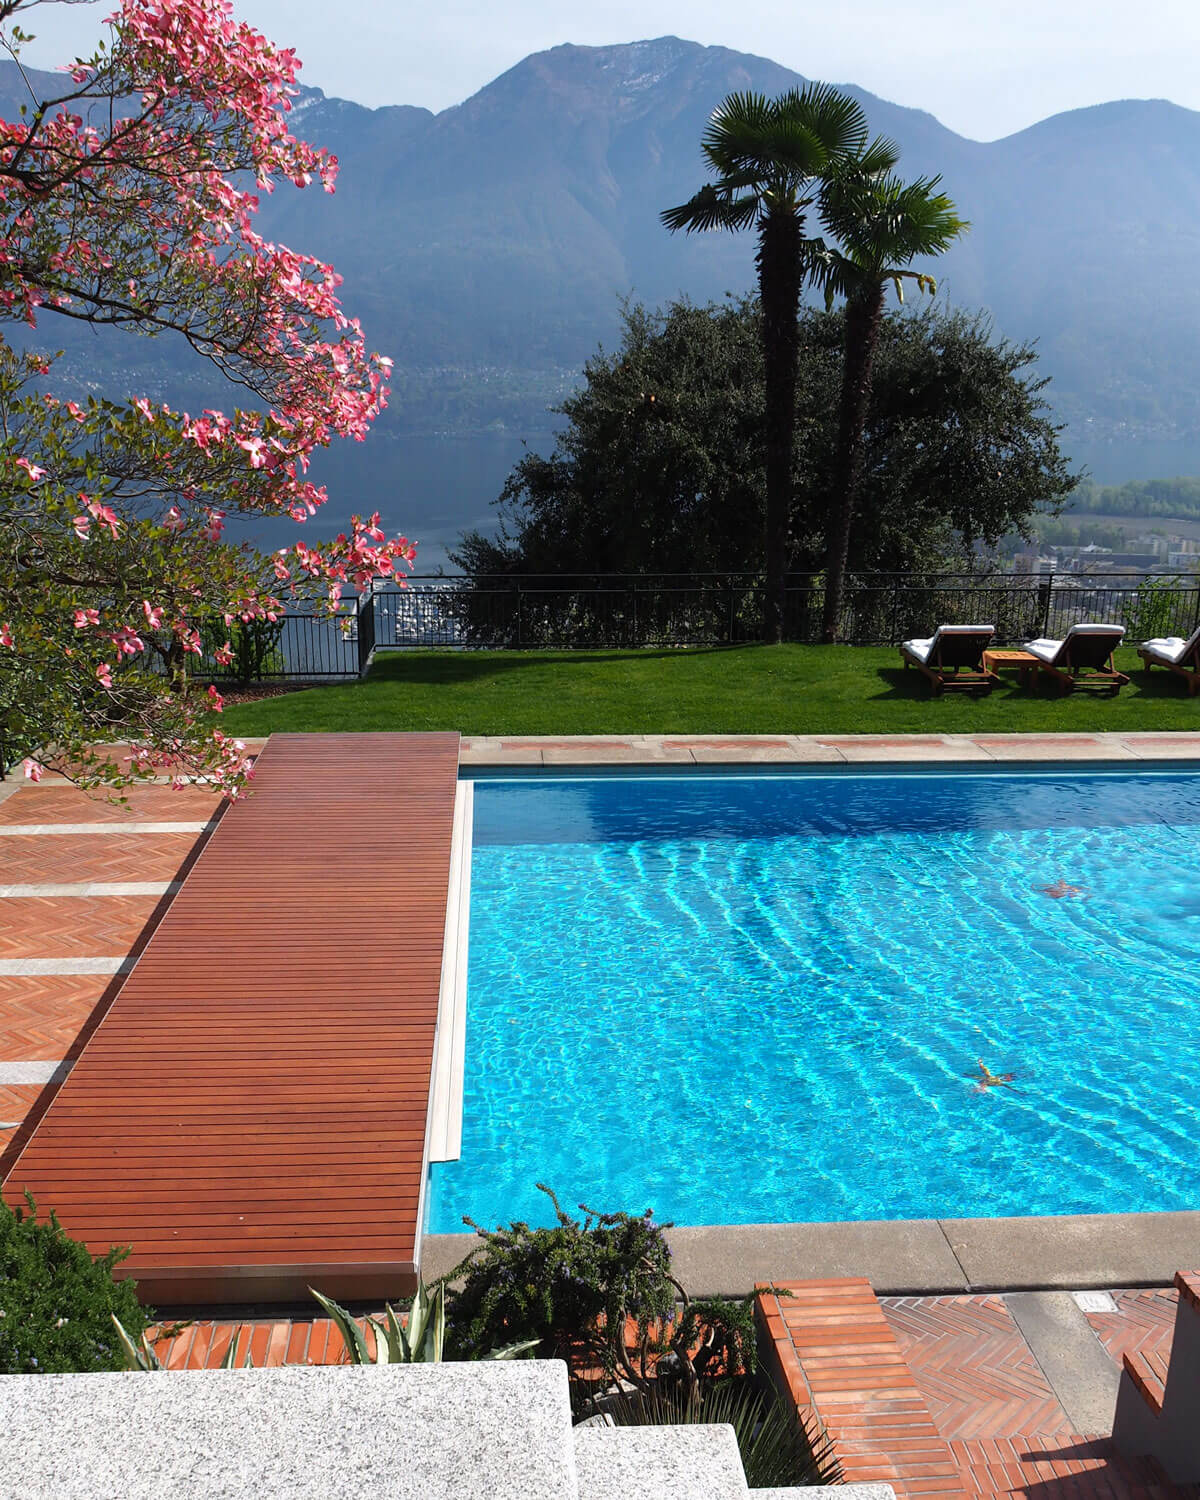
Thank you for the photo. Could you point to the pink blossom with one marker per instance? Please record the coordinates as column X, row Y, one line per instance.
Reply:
column 127, row 641
column 35, row 473
column 173, row 520
column 33, row 770
column 256, row 448
column 215, row 699
column 154, row 615
column 82, row 527
column 85, row 617
column 103, row 513
column 6, row 635
column 104, row 675
column 224, row 654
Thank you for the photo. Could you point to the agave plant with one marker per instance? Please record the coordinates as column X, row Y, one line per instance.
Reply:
column 141, row 1355
column 775, row 1449
column 419, row 1340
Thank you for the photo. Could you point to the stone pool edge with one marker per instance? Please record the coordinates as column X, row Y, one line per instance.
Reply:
column 918, row 1257
column 1108, row 747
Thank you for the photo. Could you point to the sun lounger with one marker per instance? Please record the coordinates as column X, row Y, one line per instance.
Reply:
column 1083, row 658
column 952, row 656
column 1178, row 655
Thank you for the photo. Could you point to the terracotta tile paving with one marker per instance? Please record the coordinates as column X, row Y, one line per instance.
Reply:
column 41, row 1014
column 15, row 1099
column 72, row 926
column 1143, row 1323
column 942, row 1394
column 973, row 1366
column 37, row 858
column 64, row 804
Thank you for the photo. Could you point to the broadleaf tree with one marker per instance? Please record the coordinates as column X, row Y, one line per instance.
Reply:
column 960, row 448
column 127, row 200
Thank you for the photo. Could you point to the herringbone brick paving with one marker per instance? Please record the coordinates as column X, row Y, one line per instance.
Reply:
column 973, row 1366
column 987, row 1394
column 72, row 926
column 15, row 1099
column 41, row 1014
column 942, row 1395
column 36, row 859
column 64, row 804
column 1143, row 1323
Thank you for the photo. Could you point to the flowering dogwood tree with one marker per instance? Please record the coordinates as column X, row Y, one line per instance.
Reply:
column 128, row 199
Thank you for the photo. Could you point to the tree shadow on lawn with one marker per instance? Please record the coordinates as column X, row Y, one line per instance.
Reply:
column 439, row 669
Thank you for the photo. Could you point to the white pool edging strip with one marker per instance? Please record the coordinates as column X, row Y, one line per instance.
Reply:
column 449, row 1048
column 92, row 888
column 10, row 967
column 31, row 830
column 13, row 1074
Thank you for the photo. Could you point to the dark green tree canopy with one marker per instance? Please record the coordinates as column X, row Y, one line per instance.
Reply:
column 659, row 467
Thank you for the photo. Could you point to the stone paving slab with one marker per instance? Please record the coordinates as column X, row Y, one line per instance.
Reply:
column 864, row 749
column 1072, row 1251
column 919, row 1256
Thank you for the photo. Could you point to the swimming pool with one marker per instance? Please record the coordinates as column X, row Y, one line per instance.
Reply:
column 763, row 998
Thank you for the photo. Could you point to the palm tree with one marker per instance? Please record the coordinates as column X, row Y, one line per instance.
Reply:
column 769, row 157
column 880, row 225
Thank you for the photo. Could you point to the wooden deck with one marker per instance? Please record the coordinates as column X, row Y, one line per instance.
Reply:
column 251, row 1113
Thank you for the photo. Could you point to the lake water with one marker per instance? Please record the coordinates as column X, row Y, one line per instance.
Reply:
column 432, row 489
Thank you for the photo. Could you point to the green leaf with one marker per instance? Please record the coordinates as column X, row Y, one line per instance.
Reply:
column 352, row 1335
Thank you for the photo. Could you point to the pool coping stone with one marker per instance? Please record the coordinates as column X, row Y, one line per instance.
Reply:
column 1102, row 746
column 917, row 1257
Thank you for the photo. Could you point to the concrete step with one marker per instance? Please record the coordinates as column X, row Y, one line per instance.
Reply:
column 689, row 1462
column 479, row 1431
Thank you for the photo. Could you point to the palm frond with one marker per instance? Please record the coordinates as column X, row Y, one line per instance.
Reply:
column 884, row 223
column 833, row 116
column 713, row 207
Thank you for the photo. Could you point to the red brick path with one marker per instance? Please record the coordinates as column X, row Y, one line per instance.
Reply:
column 942, row 1396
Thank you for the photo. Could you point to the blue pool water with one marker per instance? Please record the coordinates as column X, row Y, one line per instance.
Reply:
column 745, row 999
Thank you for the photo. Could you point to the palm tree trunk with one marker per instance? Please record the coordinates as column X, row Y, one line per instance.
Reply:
column 779, row 279
column 864, row 316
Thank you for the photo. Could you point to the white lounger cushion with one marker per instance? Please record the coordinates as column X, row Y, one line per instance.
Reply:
column 1049, row 650
column 1171, row 649
column 919, row 650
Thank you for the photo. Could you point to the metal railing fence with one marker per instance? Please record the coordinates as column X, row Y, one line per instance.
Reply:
column 621, row 612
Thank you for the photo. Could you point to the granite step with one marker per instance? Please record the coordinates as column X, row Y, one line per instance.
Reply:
column 478, row 1431
column 694, row 1462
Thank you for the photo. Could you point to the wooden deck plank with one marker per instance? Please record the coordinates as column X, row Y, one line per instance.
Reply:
column 251, row 1111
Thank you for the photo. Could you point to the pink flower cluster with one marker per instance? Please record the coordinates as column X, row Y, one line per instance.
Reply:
column 131, row 199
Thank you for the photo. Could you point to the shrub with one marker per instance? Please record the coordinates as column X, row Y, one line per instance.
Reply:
column 599, row 1294
column 57, row 1302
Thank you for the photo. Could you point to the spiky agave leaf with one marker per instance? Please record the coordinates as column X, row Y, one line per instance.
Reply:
column 139, row 1356
column 352, row 1335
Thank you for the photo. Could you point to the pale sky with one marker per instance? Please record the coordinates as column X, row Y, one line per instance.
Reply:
column 984, row 69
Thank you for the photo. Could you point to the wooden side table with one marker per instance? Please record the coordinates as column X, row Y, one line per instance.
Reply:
column 1022, row 661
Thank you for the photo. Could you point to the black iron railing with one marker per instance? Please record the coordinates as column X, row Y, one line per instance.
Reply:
column 583, row 612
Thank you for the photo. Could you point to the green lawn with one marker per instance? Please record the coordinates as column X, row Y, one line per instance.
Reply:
column 748, row 690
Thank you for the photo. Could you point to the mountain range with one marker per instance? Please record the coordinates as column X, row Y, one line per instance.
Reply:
column 486, row 247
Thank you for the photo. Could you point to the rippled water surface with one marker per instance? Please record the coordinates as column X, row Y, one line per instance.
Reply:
column 744, row 999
